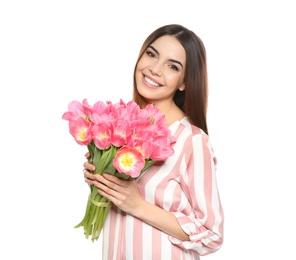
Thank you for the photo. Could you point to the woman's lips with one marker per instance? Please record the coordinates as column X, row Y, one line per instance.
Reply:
column 151, row 82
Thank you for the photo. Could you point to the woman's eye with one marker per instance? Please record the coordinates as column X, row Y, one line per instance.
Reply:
column 174, row 67
column 150, row 54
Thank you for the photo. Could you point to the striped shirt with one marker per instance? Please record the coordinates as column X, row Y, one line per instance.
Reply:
column 185, row 184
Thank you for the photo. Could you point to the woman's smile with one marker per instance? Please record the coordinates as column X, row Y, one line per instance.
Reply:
column 151, row 82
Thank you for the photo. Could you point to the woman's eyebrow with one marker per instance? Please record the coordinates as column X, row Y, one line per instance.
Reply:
column 172, row 60
column 150, row 46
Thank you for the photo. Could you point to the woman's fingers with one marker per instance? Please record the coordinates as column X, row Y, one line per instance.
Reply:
column 88, row 181
column 108, row 183
column 88, row 166
column 87, row 156
column 113, row 179
column 88, row 175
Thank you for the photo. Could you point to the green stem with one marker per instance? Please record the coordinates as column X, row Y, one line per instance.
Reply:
column 95, row 215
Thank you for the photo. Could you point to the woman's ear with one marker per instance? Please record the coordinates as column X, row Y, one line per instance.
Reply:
column 182, row 87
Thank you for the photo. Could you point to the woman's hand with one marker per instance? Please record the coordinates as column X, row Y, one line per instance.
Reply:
column 122, row 193
column 88, row 168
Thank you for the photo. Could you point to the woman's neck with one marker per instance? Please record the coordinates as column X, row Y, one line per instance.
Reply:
column 171, row 111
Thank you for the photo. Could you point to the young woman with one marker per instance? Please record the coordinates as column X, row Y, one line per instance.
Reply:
column 173, row 210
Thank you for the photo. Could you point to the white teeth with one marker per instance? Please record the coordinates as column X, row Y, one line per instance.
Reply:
column 151, row 82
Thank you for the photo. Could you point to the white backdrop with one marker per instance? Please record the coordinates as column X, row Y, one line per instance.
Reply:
column 52, row 52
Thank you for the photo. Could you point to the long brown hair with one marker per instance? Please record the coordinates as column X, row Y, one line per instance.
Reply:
column 194, row 100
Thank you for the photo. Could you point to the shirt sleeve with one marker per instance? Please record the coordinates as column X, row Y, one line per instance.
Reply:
column 202, row 217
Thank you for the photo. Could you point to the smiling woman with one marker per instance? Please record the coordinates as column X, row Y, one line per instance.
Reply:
column 159, row 76
column 172, row 210
column 160, row 73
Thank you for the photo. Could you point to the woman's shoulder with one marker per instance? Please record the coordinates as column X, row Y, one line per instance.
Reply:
column 193, row 136
column 190, row 128
column 184, row 131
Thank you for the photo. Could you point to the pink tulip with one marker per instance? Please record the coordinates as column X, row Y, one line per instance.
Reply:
column 101, row 136
column 161, row 150
column 129, row 161
column 144, row 147
column 102, row 110
column 120, row 131
column 75, row 110
column 80, row 129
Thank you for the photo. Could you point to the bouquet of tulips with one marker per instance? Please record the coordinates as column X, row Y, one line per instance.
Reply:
column 123, row 140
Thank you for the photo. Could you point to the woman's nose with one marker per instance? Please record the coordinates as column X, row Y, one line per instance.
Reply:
column 155, row 69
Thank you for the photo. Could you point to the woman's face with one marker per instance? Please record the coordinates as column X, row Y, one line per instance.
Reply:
column 160, row 71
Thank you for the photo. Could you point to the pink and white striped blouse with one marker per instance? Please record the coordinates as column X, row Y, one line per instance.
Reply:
column 185, row 184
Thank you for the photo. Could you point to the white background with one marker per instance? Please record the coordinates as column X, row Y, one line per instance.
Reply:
column 52, row 52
